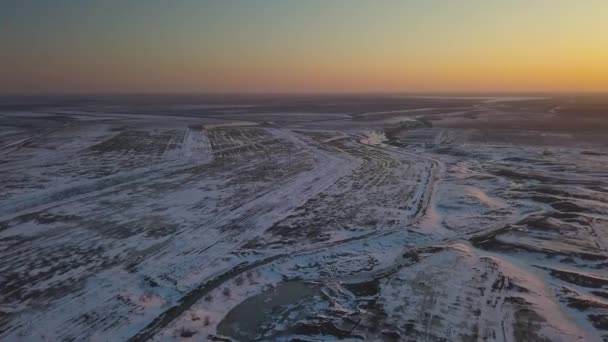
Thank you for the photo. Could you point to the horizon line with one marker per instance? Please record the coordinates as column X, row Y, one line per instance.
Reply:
column 304, row 93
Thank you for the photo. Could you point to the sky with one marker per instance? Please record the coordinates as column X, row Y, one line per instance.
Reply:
column 223, row 46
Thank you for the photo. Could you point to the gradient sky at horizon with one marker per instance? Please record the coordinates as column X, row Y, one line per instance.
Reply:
column 303, row 46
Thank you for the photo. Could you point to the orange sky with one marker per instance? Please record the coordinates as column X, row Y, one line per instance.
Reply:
column 305, row 46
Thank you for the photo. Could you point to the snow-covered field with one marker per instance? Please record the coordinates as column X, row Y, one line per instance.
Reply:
column 276, row 226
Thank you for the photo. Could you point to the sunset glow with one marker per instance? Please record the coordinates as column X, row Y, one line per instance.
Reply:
column 304, row 46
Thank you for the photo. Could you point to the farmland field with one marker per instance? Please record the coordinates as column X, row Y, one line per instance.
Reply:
column 314, row 218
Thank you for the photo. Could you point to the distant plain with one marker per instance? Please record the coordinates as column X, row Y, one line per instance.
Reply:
column 280, row 217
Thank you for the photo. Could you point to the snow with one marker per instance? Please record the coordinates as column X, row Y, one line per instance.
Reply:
column 133, row 226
